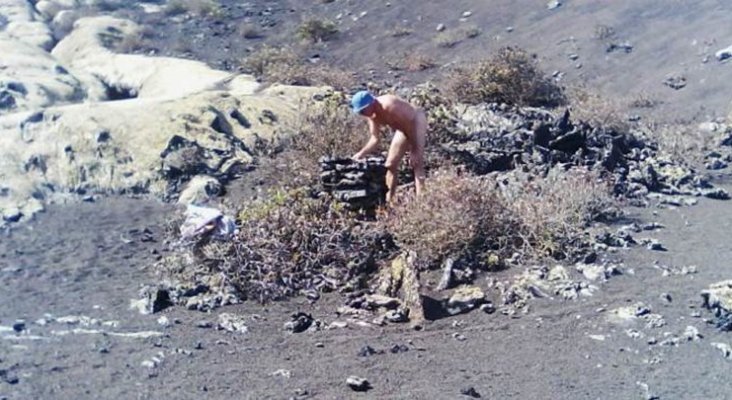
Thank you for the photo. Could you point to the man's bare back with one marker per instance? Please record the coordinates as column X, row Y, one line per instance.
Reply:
column 410, row 124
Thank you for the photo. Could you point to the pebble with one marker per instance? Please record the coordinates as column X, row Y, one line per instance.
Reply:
column 286, row 373
column 666, row 297
column 553, row 4
column 459, row 337
column 692, row 334
column 440, row 27
column 19, row 326
column 204, row 324
column 163, row 321
column 319, row 345
column 471, row 392
column 358, row 384
column 467, row 14
column 368, row 351
column 399, row 348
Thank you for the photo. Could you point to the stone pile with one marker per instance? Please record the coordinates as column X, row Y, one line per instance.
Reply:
column 495, row 138
column 360, row 185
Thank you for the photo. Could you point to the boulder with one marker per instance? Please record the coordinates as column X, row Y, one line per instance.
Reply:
column 464, row 299
column 48, row 9
column 31, row 79
column 718, row 297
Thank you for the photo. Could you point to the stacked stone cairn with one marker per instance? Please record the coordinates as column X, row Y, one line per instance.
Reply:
column 359, row 185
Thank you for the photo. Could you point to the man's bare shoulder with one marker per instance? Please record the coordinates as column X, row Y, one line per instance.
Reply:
column 390, row 100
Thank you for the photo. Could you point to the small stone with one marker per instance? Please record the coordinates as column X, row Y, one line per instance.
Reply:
column 440, row 27
column 470, row 392
column 399, row 348
column 19, row 326
column 12, row 215
column 464, row 299
column 358, row 384
column 285, row 373
column 397, row 316
column 300, row 322
column 724, row 54
column 652, row 341
column 666, row 297
column 509, row 29
column 459, row 337
column 554, row 4
column 368, row 351
column 467, row 14
column 724, row 348
column 488, row 308
column 232, row 323
column 319, row 345
column 692, row 334
column 164, row 321
column 204, row 324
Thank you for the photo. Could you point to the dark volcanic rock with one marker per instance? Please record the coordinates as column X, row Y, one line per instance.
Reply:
column 361, row 185
column 492, row 138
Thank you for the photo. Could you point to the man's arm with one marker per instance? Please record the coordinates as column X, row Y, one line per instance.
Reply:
column 373, row 144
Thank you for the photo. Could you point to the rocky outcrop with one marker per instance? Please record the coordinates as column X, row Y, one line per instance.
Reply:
column 718, row 299
column 494, row 138
column 173, row 120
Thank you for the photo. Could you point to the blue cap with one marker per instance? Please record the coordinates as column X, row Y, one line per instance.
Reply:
column 361, row 100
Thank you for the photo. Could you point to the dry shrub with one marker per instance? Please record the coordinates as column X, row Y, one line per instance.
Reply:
column 400, row 31
column 415, row 62
column 323, row 128
column 683, row 142
column 597, row 110
column 199, row 8
column 317, row 30
column 554, row 210
column 452, row 37
column 511, row 77
column 285, row 66
column 292, row 242
column 604, row 32
column 250, row 31
column 449, row 38
column 466, row 217
column 328, row 128
column 458, row 216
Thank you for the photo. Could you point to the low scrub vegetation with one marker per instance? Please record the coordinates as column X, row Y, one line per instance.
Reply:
column 317, row 30
column 284, row 65
column 199, row 8
column 512, row 76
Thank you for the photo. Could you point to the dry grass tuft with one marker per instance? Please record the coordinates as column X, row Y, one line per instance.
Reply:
column 283, row 65
column 555, row 210
column 250, row 31
column 199, row 8
column 400, row 31
column 597, row 110
column 317, row 30
column 457, row 217
column 511, row 77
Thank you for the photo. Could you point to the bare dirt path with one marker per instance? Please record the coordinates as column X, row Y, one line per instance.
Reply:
column 75, row 261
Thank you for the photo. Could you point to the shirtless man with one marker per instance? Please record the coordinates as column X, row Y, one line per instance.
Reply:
column 410, row 124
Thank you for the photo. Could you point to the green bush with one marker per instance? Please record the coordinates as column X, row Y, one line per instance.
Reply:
column 511, row 77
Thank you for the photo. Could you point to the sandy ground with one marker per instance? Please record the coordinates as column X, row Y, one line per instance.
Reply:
column 669, row 38
column 87, row 260
column 79, row 261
